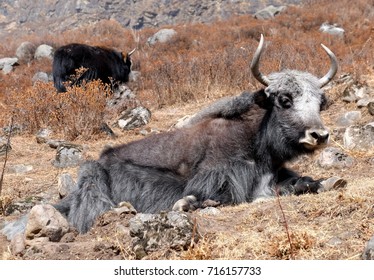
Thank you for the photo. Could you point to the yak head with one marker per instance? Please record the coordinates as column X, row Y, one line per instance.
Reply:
column 127, row 58
column 295, row 100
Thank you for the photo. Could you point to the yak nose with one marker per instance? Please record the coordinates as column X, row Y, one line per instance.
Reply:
column 315, row 137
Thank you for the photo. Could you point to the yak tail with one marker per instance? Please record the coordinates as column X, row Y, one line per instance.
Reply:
column 91, row 198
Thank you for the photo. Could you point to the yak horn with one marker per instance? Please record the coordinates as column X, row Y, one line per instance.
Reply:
column 130, row 53
column 333, row 69
column 256, row 63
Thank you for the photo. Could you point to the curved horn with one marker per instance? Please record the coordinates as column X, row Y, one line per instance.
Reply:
column 256, row 63
column 130, row 53
column 333, row 69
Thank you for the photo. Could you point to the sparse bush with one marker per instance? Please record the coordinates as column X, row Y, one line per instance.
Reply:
column 78, row 113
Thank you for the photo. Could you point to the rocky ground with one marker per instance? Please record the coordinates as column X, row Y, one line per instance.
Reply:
column 336, row 224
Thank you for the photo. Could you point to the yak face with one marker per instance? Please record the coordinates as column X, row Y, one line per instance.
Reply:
column 296, row 101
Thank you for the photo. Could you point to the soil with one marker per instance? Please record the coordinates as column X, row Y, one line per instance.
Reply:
column 331, row 225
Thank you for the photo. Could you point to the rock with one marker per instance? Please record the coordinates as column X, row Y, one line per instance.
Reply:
column 349, row 118
column 332, row 157
column 269, row 12
column 68, row 155
column 17, row 244
column 134, row 118
column 162, row 36
column 364, row 102
column 20, row 168
column 332, row 29
column 40, row 77
column 353, row 92
column 43, row 135
column 371, row 108
column 25, row 52
column 65, row 184
column 368, row 253
column 8, row 61
column 43, row 51
column 46, row 221
column 210, row 211
column 359, row 137
column 151, row 232
column 7, row 69
column 54, row 144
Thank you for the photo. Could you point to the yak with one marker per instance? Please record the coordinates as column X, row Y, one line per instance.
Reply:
column 231, row 152
column 99, row 63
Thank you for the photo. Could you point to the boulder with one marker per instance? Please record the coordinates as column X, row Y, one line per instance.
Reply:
column 162, row 36
column 43, row 51
column 359, row 137
column 332, row 29
column 152, row 232
column 332, row 157
column 134, row 118
column 68, row 155
column 46, row 222
column 25, row 52
column 349, row 118
column 269, row 12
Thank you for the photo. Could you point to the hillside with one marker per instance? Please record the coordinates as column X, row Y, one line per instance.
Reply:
column 206, row 60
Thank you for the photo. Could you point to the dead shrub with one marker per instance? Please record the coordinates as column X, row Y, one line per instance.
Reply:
column 281, row 248
column 77, row 113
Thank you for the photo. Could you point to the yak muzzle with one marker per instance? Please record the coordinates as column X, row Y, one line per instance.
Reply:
column 315, row 138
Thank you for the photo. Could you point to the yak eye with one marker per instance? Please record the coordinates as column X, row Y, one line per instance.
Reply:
column 285, row 101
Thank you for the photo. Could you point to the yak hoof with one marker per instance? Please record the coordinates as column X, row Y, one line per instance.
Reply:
column 185, row 204
column 332, row 183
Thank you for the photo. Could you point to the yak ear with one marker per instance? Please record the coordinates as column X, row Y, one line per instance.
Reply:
column 262, row 99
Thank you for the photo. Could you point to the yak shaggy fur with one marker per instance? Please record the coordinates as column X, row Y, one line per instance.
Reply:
column 233, row 151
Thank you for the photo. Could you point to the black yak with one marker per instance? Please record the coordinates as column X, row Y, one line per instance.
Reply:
column 99, row 63
column 233, row 151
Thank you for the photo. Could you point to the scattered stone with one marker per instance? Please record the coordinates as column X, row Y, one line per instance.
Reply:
column 269, row 12
column 353, row 92
column 368, row 253
column 134, row 118
column 162, row 36
column 43, row 51
column 332, row 157
column 40, row 77
column 151, row 232
column 25, row 52
column 359, row 137
column 54, row 144
column 68, row 155
column 210, row 211
column 20, row 168
column 43, row 135
column 46, row 221
column 349, row 118
column 332, row 29
column 8, row 61
column 17, row 244
column 65, row 184
column 364, row 102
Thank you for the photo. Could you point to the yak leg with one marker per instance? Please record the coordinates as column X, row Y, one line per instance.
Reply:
column 90, row 199
column 289, row 182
